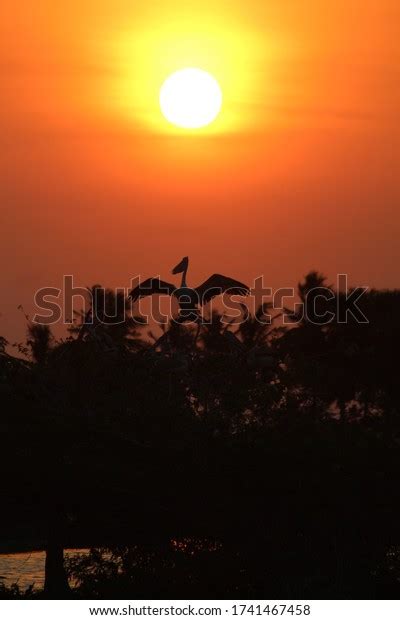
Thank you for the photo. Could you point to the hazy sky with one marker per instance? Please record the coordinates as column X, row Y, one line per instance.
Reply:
column 301, row 170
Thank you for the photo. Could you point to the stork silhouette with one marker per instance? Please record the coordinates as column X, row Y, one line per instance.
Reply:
column 189, row 299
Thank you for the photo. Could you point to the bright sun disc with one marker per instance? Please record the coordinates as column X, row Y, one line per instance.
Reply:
column 190, row 98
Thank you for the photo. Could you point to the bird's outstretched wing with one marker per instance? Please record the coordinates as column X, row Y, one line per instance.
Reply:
column 217, row 285
column 152, row 286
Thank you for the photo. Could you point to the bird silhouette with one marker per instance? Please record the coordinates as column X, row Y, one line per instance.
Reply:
column 189, row 299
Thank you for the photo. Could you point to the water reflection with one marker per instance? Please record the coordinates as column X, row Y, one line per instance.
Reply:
column 27, row 568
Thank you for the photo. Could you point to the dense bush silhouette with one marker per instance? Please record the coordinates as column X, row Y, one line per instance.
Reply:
column 240, row 461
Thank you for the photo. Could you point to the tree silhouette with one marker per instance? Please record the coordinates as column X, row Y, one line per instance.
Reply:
column 216, row 459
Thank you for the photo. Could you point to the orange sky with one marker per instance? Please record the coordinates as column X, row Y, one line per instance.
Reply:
column 300, row 171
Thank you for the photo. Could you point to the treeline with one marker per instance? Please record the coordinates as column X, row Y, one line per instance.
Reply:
column 252, row 460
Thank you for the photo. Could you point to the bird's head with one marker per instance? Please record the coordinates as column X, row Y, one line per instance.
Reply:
column 182, row 266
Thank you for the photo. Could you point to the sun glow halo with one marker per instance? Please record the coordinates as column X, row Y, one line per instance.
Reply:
column 165, row 43
column 190, row 98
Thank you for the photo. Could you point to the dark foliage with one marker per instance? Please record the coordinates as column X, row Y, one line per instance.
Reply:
column 259, row 461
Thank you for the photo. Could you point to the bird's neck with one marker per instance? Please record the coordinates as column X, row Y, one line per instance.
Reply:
column 183, row 283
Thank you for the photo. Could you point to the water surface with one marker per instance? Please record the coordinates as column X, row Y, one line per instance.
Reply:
column 25, row 569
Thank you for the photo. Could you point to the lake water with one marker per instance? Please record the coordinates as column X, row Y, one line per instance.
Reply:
column 26, row 568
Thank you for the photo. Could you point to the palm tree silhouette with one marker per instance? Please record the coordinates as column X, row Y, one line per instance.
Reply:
column 107, row 323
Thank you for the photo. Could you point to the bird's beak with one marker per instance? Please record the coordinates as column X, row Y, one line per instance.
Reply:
column 181, row 266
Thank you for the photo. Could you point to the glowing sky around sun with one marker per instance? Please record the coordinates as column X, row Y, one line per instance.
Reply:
column 174, row 37
column 299, row 170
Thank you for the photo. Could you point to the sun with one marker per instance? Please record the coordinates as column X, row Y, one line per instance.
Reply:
column 190, row 98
